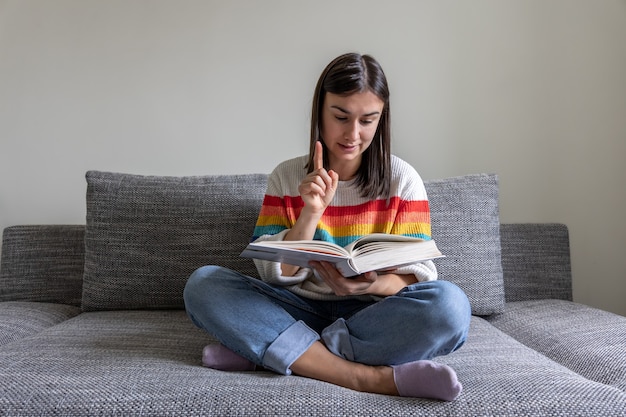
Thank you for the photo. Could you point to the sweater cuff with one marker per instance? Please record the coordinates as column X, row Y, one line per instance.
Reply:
column 423, row 271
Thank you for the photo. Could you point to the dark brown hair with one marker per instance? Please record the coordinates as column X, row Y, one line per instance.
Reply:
column 348, row 74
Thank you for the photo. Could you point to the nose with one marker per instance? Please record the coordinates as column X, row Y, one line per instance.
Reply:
column 353, row 132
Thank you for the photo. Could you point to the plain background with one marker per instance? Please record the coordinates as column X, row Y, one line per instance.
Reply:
column 533, row 90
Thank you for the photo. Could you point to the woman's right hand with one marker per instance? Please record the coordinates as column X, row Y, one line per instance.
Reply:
column 318, row 188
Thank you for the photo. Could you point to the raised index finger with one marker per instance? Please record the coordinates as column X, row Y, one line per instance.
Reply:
column 318, row 156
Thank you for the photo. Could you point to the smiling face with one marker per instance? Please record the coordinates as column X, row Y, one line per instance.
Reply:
column 349, row 123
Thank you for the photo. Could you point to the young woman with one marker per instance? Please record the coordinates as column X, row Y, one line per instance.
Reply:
column 376, row 332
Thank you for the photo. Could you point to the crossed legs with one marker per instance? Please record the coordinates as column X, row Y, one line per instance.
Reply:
column 343, row 356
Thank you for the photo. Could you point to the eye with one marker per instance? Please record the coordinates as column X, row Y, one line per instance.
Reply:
column 341, row 118
column 367, row 122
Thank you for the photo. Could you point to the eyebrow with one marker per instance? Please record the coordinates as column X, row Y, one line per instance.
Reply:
column 347, row 112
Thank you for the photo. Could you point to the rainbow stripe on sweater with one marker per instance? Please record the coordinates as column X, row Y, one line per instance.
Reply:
column 344, row 224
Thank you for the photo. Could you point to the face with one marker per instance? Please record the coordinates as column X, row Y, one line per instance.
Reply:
column 348, row 127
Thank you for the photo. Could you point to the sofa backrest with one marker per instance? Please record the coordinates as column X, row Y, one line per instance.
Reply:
column 43, row 263
column 536, row 261
column 145, row 235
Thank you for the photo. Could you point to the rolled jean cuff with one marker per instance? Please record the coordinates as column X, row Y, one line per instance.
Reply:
column 336, row 337
column 288, row 347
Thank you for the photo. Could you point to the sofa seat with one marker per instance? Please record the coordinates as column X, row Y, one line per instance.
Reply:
column 19, row 319
column 148, row 363
column 586, row 340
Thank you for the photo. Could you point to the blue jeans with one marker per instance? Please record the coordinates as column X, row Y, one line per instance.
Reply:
column 272, row 327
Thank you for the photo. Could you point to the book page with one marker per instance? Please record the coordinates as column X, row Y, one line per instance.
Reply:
column 380, row 237
column 291, row 256
column 319, row 246
column 383, row 255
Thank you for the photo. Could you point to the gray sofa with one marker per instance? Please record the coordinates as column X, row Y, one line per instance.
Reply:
column 92, row 319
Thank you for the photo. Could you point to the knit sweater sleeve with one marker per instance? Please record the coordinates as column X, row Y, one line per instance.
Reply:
column 277, row 215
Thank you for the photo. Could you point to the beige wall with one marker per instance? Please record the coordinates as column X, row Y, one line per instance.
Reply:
column 533, row 90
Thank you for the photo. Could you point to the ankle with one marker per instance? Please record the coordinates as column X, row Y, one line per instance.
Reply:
column 375, row 379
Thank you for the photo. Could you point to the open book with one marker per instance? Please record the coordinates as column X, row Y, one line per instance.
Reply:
column 375, row 252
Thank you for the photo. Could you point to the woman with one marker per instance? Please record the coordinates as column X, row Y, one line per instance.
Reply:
column 376, row 332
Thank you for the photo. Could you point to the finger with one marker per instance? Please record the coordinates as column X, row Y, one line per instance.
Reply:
column 334, row 179
column 370, row 276
column 318, row 156
column 314, row 264
column 329, row 272
column 313, row 185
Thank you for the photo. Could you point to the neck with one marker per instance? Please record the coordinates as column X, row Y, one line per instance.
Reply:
column 346, row 170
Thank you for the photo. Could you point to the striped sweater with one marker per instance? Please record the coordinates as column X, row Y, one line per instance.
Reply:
column 347, row 218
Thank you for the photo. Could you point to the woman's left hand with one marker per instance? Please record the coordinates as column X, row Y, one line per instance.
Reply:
column 357, row 285
column 381, row 284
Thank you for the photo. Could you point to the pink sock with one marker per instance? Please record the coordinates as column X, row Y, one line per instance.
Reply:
column 426, row 379
column 217, row 356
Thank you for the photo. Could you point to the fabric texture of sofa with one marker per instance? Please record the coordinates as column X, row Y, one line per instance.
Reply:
column 92, row 319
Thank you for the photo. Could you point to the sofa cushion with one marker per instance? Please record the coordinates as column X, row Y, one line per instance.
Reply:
column 19, row 319
column 138, row 363
column 146, row 234
column 466, row 226
column 589, row 341
column 42, row 263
